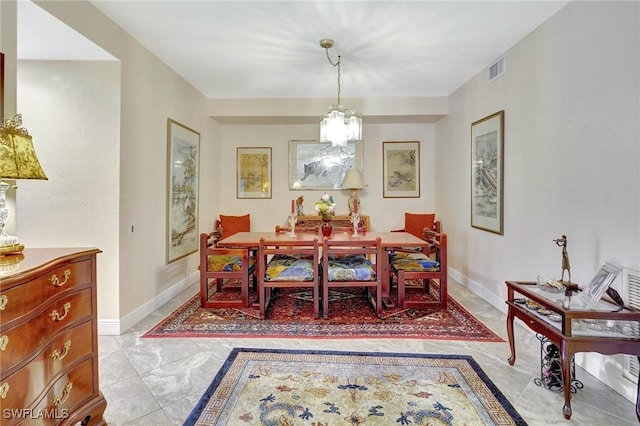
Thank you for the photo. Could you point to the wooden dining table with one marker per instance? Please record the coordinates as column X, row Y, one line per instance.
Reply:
column 389, row 240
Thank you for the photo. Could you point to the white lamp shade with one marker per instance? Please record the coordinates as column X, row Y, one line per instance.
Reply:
column 353, row 180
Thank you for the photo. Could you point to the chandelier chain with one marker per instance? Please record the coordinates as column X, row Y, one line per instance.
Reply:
column 337, row 64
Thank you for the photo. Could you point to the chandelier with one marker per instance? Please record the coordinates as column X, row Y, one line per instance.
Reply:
column 339, row 125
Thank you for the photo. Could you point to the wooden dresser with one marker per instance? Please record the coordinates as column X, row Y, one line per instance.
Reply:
column 48, row 338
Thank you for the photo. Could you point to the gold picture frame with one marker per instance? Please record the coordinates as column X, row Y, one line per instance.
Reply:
column 253, row 166
column 487, row 169
column 401, row 169
column 183, row 167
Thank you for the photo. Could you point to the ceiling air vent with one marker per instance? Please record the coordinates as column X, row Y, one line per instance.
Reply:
column 496, row 69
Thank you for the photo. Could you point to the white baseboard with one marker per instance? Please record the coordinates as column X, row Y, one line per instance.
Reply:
column 478, row 289
column 114, row 327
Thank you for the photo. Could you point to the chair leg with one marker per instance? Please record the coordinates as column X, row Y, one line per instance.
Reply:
column 401, row 296
column 325, row 301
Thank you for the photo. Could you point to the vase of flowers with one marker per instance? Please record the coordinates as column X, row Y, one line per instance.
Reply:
column 326, row 208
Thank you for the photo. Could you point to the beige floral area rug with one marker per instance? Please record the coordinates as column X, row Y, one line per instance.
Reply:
column 318, row 388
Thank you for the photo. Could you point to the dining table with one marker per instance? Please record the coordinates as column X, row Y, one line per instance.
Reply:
column 389, row 240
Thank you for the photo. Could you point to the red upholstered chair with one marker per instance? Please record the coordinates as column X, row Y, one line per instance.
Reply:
column 225, row 266
column 227, row 225
column 415, row 223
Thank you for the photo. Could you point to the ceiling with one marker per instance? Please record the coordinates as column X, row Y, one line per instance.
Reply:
column 269, row 49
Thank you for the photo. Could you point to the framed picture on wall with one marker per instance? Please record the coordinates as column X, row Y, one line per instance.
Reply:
column 317, row 165
column 253, row 172
column 487, row 165
column 183, row 162
column 401, row 169
column 1, row 86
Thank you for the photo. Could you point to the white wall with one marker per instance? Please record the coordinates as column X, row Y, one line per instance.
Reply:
column 72, row 111
column 571, row 99
column 385, row 213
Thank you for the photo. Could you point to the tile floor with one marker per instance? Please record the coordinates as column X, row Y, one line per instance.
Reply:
column 159, row 381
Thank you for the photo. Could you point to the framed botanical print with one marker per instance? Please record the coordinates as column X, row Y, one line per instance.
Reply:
column 183, row 161
column 401, row 169
column 253, row 172
column 318, row 165
column 487, row 166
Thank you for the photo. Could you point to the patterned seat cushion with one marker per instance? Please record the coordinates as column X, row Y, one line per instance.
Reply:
column 227, row 263
column 351, row 268
column 413, row 262
column 289, row 268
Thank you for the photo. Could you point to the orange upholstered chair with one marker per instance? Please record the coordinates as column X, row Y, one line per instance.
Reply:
column 227, row 225
column 415, row 223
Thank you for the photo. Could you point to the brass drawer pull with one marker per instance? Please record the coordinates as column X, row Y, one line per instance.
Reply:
column 4, row 390
column 56, row 316
column 66, row 393
column 4, row 341
column 56, row 281
column 3, row 302
column 57, row 356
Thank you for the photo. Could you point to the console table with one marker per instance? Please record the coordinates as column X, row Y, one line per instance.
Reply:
column 603, row 329
column 337, row 220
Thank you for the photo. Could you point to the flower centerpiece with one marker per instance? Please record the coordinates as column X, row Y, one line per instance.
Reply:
column 325, row 207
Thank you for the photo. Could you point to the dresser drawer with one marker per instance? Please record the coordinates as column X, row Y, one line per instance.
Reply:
column 69, row 391
column 58, row 355
column 22, row 299
column 22, row 341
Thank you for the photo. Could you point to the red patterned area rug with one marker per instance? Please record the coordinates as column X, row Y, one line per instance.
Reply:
column 287, row 387
column 290, row 315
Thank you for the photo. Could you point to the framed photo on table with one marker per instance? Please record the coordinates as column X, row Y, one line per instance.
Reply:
column 183, row 162
column 401, row 169
column 592, row 293
column 253, row 172
column 317, row 165
column 487, row 166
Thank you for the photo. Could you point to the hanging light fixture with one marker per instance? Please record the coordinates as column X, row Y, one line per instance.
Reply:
column 339, row 125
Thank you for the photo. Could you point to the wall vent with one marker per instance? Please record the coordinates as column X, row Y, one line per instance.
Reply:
column 631, row 288
column 496, row 69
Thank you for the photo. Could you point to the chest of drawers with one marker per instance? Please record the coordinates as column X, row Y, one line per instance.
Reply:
column 48, row 338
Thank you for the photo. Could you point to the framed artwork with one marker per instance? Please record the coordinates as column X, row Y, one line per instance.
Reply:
column 183, row 161
column 599, row 284
column 487, row 165
column 317, row 165
column 401, row 169
column 253, row 172
column 2, row 86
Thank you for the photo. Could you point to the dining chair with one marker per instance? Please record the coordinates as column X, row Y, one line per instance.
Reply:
column 289, row 264
column 227, row 267
column 428, row 269
column 227, row 225
column 415, row 223
column 346, row 263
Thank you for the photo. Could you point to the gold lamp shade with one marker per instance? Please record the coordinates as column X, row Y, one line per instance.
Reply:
column 18, row 158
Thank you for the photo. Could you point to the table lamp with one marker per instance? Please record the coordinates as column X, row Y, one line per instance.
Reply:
column 353, row 181
column 18, row 160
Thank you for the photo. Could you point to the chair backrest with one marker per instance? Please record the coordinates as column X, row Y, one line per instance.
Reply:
column 438, row 246
column 415, row 223
column 366, row 247
column 218, row 260
column 308, row 249
column 233, row 224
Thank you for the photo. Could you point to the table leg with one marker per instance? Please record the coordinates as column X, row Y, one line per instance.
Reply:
column 512, row 344
column 567, row 356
